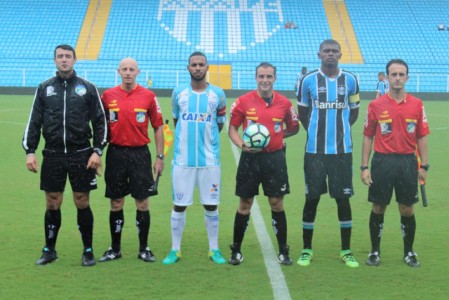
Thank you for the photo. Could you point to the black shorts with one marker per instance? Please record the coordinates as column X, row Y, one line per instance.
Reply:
column 56, row 167
column 270, row 169
column 128, row 171
column 337, row 168
column 393, row 171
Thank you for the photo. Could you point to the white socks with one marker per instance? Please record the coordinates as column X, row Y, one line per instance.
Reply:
column 178, row 222
column 211, row 220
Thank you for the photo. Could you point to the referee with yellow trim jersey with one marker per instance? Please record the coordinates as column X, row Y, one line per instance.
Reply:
column 130, row 109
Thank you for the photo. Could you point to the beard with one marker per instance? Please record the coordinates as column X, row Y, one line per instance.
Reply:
column 198, row 79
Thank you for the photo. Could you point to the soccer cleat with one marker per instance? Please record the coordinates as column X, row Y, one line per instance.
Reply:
column 373, row 259
column 146, row 255
column 88, row 259
column 172, row 257
column 48, row 256
column 110, row 255
column 349, row 260
column 216, row 256
column 236, row 256
column 411, row 260
column 305, row 258
column 283, row 257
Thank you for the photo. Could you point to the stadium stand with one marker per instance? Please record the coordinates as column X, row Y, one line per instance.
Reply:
column 241, row 33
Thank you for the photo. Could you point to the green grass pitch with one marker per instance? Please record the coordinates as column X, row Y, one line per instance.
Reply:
column 22, row 208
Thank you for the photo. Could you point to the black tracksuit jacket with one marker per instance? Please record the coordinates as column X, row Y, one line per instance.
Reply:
column 67, row 111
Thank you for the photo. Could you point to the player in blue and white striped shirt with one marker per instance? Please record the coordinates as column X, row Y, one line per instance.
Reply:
column 328, row 105
column 199, row 112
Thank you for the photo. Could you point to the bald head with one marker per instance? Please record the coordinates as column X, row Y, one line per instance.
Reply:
column 128, row 70
column 128, row 61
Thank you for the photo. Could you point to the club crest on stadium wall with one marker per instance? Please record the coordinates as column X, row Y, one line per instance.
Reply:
column 243, row 24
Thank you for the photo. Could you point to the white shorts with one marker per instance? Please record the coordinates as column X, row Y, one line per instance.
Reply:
column 184, row 181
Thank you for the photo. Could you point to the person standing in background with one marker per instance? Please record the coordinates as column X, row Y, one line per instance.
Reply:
column 382, row 85
column 298, row 79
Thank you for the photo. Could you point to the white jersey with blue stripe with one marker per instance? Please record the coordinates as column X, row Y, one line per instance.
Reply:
column 197, row 140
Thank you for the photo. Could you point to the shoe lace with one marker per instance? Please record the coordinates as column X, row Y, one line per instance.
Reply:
column 348, row 257
column 235, row 255
column 217, row 253
column 305, row 256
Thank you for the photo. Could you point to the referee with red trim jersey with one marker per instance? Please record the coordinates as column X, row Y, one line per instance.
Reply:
column 130, row 109
column 396, row 124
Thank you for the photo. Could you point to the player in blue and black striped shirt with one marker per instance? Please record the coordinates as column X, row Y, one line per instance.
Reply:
column 382, row 85
column 328, row 105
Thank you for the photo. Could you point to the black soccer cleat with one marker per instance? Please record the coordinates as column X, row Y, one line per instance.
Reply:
column 110, row 255
column 88, row 259
column 146, row 255
column 373, row 259
column 284, row 258
column 411, row 260
column 48, row 256
column 236, row 256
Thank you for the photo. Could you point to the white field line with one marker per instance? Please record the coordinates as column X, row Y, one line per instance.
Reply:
column 277, row 278
column 13, row 123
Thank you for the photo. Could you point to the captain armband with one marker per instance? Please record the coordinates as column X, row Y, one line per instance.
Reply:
column 354, row 98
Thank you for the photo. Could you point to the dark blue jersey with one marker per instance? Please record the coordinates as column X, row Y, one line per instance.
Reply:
column 329, row 101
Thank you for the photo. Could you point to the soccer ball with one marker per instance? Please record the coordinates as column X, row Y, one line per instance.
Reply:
column 256, row 136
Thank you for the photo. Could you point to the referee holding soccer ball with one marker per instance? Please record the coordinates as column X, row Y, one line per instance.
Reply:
column 267, row 166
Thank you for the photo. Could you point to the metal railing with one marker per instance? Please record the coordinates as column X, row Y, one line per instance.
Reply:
column 243, row 80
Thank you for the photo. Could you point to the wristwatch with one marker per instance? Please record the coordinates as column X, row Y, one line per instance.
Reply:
column 98, row 151
column 160, row 156
column 425, row 167
column 363, row 168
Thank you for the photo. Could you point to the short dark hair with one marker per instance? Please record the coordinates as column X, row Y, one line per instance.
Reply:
column 266, row 65
column 197, row 53
column 331, row 42
column 64, row 47
column 397, row 61
column 381, row 73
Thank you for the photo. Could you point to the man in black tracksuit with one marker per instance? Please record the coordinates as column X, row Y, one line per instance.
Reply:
column 64, row 107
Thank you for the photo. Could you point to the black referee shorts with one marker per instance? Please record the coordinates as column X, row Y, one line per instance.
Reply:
column 57, row 166
column 128, row 171
column 270, row 169
column 394, row 171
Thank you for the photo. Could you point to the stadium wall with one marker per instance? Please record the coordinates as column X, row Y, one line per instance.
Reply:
column 5, row 90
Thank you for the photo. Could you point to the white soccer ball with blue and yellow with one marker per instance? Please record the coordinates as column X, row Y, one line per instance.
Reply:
column 256, row 136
